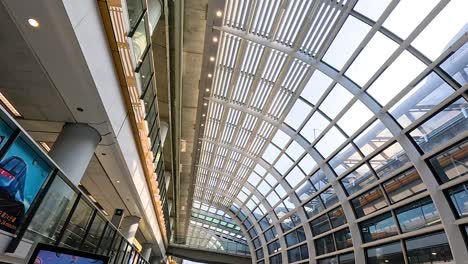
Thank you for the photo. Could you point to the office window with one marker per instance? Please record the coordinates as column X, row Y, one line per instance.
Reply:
column 389, row 253
column 452, row 163
column 378, row 227
column 405, row 185
column 276, row 259
column 346, row 258
column 417, row 215
column 298, row 253
column 273, row 247
column 459, row 198
column 325, row 245
column 259, row 253
column 369, row 202
column 433, row 248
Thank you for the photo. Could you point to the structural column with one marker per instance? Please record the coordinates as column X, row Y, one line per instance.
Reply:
column 74, row 148
column 130, row 227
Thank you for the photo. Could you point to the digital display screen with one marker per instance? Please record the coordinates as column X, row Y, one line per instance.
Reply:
column 51, row 257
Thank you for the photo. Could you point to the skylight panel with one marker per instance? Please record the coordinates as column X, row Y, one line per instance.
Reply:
column 335, row 101
column 270, row 179
column 371, row 58
column 315, row 87
column 260, row 169
column 295, row 150
column 280, row 139
column 371, row 8
column 273, row 198
column 297, row 114
column 280, row 190
column 407, row 15
column 275, row 62
column 314, row 126
column 283, row 164
column 330, row 142
column 396, row 77
column 448, row 26
column 264, row 188
column 264, row 16
column 271, row 153
column 294, row 177
column 354, row 118
column 345, row 43
column 254, row 179
column 307, row 164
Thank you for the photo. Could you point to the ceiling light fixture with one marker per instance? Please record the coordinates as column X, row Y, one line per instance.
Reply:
column 210, row 75
column 117, row 181
column 33, row 22
column 45, row 146
column 9, row 105
column 207, row 89
column 205, row 104
column 212, row 58
column 215, row 39
column 203, row 115
column 219, row 13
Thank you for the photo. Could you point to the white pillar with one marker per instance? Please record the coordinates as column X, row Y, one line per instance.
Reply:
column 130, row 227
column 163, row 131
column 154, row 13
column 74, row 148
column 146, row 251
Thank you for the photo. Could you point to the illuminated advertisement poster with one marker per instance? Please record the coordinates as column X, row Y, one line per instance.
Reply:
column 50, row 257
column 22, row 173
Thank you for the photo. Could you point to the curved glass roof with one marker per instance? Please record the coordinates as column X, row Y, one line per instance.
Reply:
column 326, row 122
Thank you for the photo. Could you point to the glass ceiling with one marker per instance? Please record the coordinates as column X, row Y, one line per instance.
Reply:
column 318, row 117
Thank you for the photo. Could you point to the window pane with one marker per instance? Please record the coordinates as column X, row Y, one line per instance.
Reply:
column 295, row 176
column 345, row 159
column 307, row 164
column 370, row 8
column 337, row 217
column 371, row 58
column 432, row 248
column 135, row 9
column 424, row 97
column 320, row 225
column 325, row 245
column 405, row 185
column 390, row 253
column 314, row 126
column 369, row 202
column 54, row 209
column 295, row 150
column 417, row 215
column 378, row 227
column 444, row 29
column 139, row 41
column 358, row 179
column 455, row 65
column 283, row 164
column 95, row 232
column 447, row 124
column 372, row 138
column 305, row 191
column 315, row 87
column 330, row 142
column 407, row 15
column 348, row 39
column 319, row 180
column 343, row 239
column 329, row 197
column 294, row 255
column 271, row 153
column 297, row 114
column 280, row 139
column 396, row 77
column 75, row 230
column 346, row 258
column 452, row 163
column 332, row 260
column 335, row 101
column 389, row 160
column 313, row 207
column 459, row 197
column 354, row 118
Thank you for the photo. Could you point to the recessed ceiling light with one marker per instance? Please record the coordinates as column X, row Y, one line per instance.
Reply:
column 210, row 75
column 215, row 39
column 212, row 58
column 117, row 181
column 202, row 125
column 203, row 115
column 219, row 13
column 205, row 104
column 207, row 89
column 33, row 22
column 434, row 253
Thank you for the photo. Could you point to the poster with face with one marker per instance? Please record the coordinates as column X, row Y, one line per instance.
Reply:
column 22, row 173
column 49, row 257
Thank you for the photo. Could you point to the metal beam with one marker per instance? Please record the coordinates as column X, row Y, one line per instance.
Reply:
column 206, row 256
